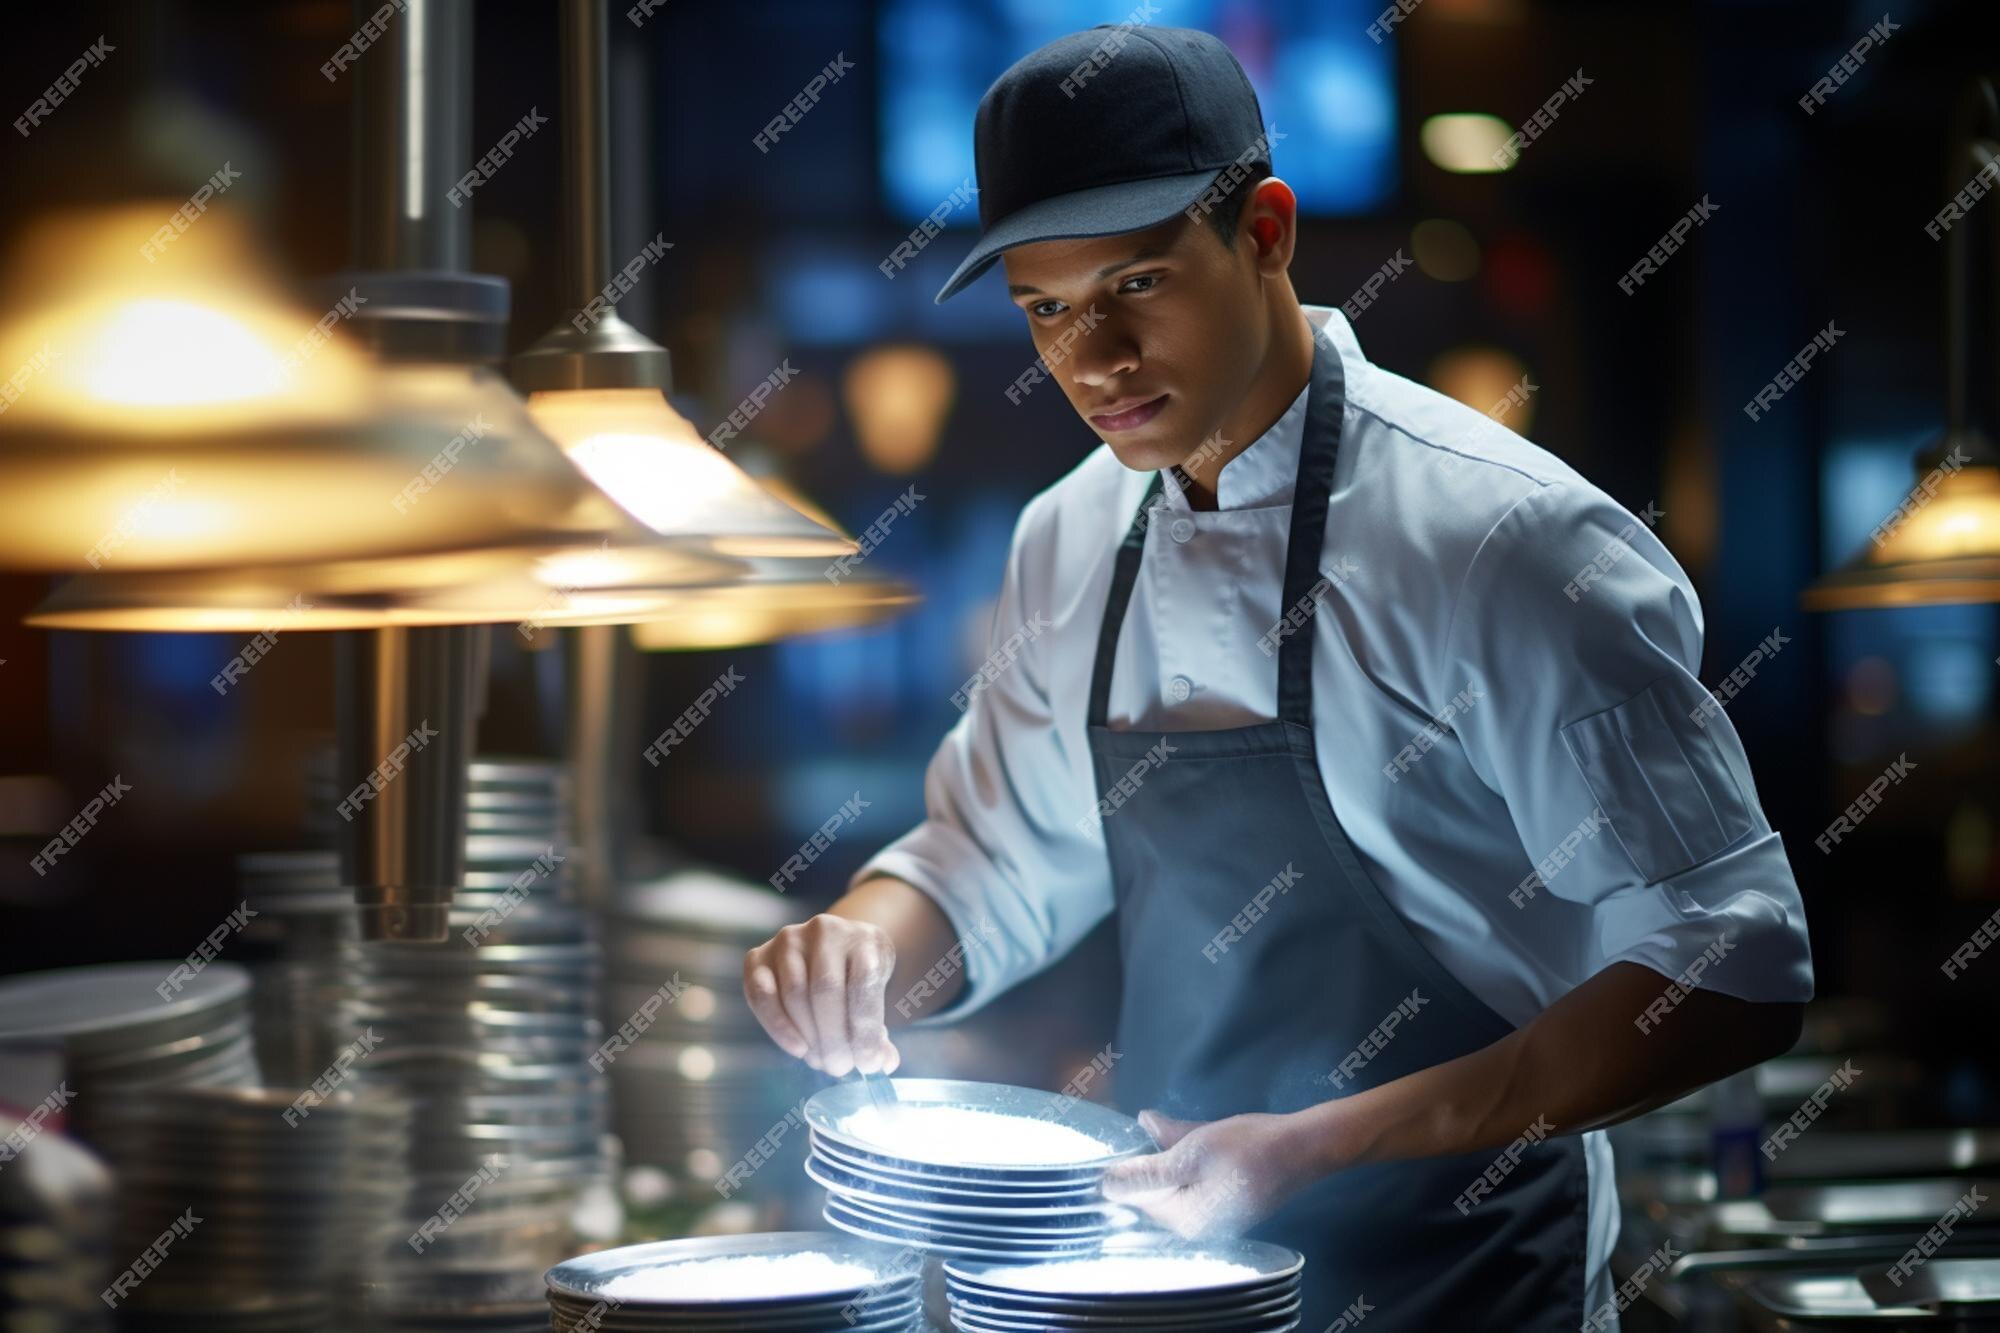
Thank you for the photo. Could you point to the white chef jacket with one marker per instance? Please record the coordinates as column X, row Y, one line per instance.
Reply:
column 1505, row 712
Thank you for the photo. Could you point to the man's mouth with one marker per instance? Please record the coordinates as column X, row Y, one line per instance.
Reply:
column 1129, row 415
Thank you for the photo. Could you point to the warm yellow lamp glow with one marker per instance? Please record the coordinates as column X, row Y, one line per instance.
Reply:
column 499, row 586
column 1468, row 142
column 1486, row 379
column 650, row 459
column 798, row 500
column 898, row 397
column 163, row 405
column 784, row 599
column 155, row 354
column 1941, row 545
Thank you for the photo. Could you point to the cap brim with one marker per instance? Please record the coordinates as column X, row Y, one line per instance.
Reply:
column 1102, row 210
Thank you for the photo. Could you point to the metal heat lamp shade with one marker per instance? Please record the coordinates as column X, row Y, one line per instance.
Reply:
column 168, row 407
column 1942, row 543
column 598, row 387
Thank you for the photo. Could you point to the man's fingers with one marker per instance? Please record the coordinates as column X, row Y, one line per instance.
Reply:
column 1166, row 1130
column 829, row 968
column 1138, row 1177
column 867, row 980
column 795, row 993
column 760, row 988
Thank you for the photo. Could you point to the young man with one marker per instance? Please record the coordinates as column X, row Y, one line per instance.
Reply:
column 1376, row 725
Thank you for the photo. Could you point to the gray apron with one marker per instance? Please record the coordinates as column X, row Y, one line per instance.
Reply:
column 1262, row 1021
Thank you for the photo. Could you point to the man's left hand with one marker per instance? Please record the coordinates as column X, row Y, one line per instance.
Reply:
column 1213, row 1178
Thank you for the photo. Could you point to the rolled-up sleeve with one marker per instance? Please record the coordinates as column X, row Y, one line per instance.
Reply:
column 1002, row 849
column 1626, row 781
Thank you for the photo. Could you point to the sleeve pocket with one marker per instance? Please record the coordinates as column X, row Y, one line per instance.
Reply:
column 1663, row 783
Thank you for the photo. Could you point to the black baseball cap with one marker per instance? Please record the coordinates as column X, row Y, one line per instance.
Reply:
column 1112, row 129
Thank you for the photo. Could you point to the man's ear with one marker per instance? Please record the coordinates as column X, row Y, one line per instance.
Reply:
column 1271, row 221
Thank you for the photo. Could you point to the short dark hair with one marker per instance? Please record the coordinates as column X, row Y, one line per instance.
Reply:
column 1228, row 210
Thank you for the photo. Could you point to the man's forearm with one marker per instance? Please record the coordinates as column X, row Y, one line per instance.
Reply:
column 923, row 936
column 1583, row 1063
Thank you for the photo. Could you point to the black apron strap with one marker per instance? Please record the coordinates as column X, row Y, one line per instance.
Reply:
column 1326, row 407
column 1123, row 576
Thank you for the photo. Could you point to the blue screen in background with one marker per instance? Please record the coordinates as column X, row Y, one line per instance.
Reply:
column 1322, row 82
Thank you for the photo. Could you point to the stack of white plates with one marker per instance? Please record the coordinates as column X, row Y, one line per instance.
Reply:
column 978, row 1169
column 263, row 1222
column 1134, row 1282
column 702, row 1084
column 797, row 1281
column 122, row 1039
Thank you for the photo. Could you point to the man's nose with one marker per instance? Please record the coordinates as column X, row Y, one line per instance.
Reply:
column 1102, row 354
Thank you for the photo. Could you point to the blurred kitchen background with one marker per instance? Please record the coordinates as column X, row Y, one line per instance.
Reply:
column 1818, row 218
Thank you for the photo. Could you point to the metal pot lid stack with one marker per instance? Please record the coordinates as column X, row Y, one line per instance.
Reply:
column 264, row 1204
column 490, row 1035
column 699, row 1084
column 799, row 1281
column 120, row 1037
column 302, row 915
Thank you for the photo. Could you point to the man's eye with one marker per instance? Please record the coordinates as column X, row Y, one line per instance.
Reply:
column 1148, row 278
column 1043, row 309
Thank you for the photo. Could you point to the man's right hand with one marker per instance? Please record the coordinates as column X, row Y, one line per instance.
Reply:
column 819, row 987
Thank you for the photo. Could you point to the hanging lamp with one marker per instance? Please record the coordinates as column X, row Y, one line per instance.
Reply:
column 1942, row 543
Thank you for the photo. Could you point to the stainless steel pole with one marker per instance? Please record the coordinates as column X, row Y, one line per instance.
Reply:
column 410, row 699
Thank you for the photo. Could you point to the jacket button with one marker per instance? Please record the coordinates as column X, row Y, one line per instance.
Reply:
column 1179, row 688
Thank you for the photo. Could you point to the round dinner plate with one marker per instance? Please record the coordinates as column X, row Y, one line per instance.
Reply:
column 1193, row 1303
column 82, row 1002
column 946, row 1203
column 585, row 1278
column 966, row 1181
column 995, row 1225
column 1167, row 1314
column 938, row 1242
column 845, row 1318
column 829, row 1110
column 1273, row 1323
column 1270, row 1262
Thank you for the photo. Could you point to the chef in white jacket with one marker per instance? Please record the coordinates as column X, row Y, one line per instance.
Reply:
column 1377, row 726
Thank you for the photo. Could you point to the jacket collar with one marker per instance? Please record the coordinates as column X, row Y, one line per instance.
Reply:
column 1262, row 475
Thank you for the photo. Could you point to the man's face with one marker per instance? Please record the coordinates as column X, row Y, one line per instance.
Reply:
column 1155, row 335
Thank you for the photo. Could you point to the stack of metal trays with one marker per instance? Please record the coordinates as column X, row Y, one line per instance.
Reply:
column 977, row 1169
column 129, row 1030
column 248, row 1217
column 302, row 917
column 491, row 1036
column 1135, row 1282
column 1791, row 1214
column 1966, row 1289
column 57, row 1212
column 798, row 1281
column 701, row 1084
column 1833, row 1227
column 1940, row 1293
